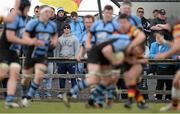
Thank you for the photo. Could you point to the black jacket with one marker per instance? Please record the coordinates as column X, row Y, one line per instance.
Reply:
column 60, row 22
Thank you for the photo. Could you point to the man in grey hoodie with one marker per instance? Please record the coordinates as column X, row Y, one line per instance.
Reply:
column 68, row 47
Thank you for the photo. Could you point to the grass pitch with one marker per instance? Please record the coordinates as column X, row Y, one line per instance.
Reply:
column 58, row 107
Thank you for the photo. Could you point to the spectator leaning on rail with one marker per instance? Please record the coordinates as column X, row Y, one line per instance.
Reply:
column 61, row 20
column 160, row 46
column 68, row 47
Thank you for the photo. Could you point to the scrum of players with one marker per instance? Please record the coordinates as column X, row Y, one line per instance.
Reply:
column 110, row 44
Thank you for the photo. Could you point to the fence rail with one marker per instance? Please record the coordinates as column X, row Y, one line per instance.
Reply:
column 73, row 60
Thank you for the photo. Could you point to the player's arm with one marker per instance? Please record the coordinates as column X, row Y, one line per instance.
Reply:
column 11, row 37
column 88, row 41
column 54, row 40
column 27, row 40
column 13, row 14
column 139, row 38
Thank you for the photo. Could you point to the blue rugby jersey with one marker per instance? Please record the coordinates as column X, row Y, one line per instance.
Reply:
column 17, row 26
column 102, row 31
column 43, row 32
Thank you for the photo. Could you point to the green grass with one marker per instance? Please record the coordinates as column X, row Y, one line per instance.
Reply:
column 58, row 107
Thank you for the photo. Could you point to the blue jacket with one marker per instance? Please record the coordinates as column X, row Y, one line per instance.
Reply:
column 77, row 28
column 155, row 49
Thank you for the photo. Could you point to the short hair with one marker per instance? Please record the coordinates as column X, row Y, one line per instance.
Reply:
column 74, row 14
column 159, row 32
column 127, row 2
column 43, row 6
column 36, row 7
column 123, row 16
column 108, row 7
column 140, row 8
column 156, row 10
column 89, row 17
column 52, row 8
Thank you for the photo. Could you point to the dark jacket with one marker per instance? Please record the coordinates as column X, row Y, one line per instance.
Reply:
column 61, row 21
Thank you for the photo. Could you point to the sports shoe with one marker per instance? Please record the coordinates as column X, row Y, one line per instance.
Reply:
column 142, row 105
column 11, row 105
column 66, row 99
column 60, row 96
column 25, row 102
column 168, row 108
column 128, row 105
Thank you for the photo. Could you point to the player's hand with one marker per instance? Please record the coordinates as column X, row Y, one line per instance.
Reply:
column 129, row 49
column 160, row 56
column 88, row 46
column 78, row 57
column 17, row 4
column 36, row 42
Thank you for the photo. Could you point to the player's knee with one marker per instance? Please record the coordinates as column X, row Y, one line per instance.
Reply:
column 4, row 68
column 41, row 69
column 175, row 93
column 15, row 66
column 93, row 77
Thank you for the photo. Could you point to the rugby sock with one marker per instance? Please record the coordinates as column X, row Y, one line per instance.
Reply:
column 175, row 103
column 78, row 87
column 111, row 90
column 24, row 89
column 139, row 97
column 32, row 90
column 9, row 98
column 98, row 93
column 131, row 93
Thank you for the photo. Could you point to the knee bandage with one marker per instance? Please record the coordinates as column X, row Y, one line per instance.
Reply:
column 93, row 73
column 42, row 69
column 106, row 73
column 15, row 65
column 4, row 66
column 175, row 93
column 29, row 76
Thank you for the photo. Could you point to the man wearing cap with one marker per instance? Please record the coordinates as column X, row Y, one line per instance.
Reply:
column 61, row 20
column 160, row 24
column 68, row 47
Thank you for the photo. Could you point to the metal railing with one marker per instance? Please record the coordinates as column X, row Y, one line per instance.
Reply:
column 72, row 60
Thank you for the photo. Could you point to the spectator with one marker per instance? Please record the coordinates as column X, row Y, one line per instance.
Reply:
column 36, row 12
column 160, row 46
column 53, row 14
column 77, row 26
column 68, row 47
column 160, row 24
column 61, row 20
column 145, row 22
column 155, row 13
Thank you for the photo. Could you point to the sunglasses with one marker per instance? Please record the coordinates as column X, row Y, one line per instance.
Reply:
column 66, row 27
column 140, row 11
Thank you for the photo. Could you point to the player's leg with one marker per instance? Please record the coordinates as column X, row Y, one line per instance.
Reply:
column 98, row 94
column 131, row 78
column 14, row 70
column 175, row 94
column 27, row 75
column 111, row 89
column 40, row 70
column 92, row 78
column 4, row 68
